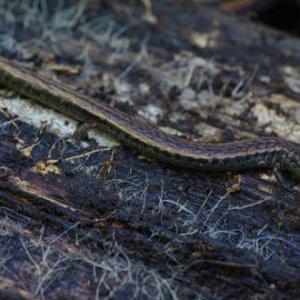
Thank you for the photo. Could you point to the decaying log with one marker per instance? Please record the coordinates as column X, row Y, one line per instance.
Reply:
column 86, row 218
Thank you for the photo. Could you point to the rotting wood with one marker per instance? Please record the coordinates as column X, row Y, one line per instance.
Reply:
column 143, row 229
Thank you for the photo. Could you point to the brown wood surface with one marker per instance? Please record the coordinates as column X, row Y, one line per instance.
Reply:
column 85, row 223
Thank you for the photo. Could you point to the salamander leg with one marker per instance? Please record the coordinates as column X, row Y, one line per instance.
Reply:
column 280, row 175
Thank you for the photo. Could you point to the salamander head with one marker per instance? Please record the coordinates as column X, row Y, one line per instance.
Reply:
column 289, row 166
